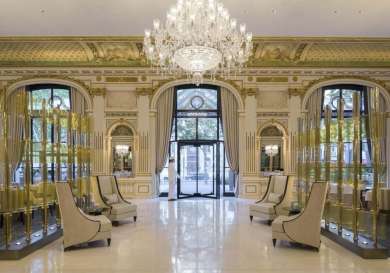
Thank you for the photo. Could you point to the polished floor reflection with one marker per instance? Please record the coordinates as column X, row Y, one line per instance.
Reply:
column 193, row 236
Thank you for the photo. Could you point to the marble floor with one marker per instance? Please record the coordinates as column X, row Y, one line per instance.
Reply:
column 186, row 236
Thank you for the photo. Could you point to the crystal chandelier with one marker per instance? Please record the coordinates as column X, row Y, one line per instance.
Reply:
column 271, row 150
column 198, row 37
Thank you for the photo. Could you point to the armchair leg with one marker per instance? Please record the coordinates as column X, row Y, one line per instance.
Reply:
column 274, row 242
column 251, row 217
column 135, row 218
column 109, row 241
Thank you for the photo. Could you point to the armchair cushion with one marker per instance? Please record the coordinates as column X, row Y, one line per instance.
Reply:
column 105, row 223
column 267, row 208
column 279, row 184
column 274, row 197
column 105, row 185
column 277, row 224
column 122, row 208
column 111, row 198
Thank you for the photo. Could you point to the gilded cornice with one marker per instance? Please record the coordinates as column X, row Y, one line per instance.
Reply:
column 127, row 52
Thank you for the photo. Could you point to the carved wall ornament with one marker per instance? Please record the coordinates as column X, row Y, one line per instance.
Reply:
column 122, row 130
column 144, row 91
column 271, row 131
column 296, row 92
column 98, row 91
column 121, row 79
column 249, row 91
column 272, row 79
column 280, row 124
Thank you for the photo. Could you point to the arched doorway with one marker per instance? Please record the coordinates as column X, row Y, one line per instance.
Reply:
column 197, row 144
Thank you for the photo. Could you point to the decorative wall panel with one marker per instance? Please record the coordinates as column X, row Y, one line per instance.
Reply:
column 121, row 99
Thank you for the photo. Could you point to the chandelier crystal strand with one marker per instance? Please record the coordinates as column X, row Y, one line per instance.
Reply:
column 198, row 37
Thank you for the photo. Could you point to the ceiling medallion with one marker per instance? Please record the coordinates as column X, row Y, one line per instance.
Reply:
column 198, row 37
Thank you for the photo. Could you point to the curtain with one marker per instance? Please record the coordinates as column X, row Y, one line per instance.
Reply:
column 16, row 105
column 314, row 108
column 376, row 103
column 163, row 131
column 77, row 101
column 231, row 131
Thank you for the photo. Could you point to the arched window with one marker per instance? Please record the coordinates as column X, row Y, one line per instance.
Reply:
column 197, row 143
column 56, row 97
column 331, row 95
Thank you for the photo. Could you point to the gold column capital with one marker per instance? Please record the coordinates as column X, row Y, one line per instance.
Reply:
column 249, row 91
column 98, row 91
column 294, row 92
column 142, row 91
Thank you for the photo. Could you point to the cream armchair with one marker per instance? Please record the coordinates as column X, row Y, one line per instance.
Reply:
column 273, row 201
column 304, row 228
column 108, row 196
column 79, row 227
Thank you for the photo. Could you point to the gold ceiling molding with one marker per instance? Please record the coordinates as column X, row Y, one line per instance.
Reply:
column 116, row 79
column 127, row 52
column 272, row 79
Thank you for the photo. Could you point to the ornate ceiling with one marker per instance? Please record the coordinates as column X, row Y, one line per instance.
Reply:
column 342, row 18
column 127, row 52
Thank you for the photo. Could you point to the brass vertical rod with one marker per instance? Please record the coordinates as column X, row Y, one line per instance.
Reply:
column 375, row 144
column 356, row 163
column 78, row 155
column 328, row 119
column 340, row 161
column 69, row 172
column 300, row 161
column 27, row 164
column 316, row 147
column 44, row 165
column 298, row 149
column 7, row 182
column 307, row 158
column 57, row 126
column 88, row 159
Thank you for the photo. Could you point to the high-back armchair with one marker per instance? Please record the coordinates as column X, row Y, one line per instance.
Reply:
column 304, row 228
column 109, row 197
column 79, row 227
column 273, row 201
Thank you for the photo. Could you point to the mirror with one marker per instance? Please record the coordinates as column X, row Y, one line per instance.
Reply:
column 122, row 151
column 271, row 152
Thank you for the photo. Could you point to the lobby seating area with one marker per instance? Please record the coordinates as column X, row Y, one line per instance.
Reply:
column 273, row 202
column 139, row 135
column 79, row 227
column 109, row 198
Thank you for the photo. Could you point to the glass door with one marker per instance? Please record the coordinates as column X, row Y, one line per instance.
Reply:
column 197, row 170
